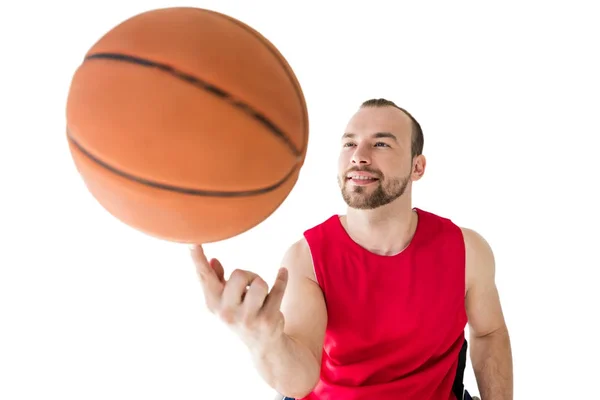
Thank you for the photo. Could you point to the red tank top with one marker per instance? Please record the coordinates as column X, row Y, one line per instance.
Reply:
column 395, row 323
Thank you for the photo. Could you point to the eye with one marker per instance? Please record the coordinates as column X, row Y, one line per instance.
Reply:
column 348, row 144
column 381, row 144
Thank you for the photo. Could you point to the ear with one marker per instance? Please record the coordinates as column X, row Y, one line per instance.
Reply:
column 418, row 170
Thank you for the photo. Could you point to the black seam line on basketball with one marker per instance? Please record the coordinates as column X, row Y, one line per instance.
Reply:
column 199, row 83
column 189, row 191
column 288, row 71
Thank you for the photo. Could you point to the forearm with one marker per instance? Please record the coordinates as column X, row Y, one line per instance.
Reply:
column 491, row 357
column 288, row 366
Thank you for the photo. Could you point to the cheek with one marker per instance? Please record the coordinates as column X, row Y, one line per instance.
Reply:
column 343, row 161
column 392, row 168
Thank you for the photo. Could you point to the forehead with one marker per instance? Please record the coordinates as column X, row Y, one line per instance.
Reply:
column 370, row 120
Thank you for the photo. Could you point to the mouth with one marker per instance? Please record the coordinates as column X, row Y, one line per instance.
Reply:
column 361, row 179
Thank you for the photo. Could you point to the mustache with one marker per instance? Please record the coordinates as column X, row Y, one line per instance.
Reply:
column 375, row 172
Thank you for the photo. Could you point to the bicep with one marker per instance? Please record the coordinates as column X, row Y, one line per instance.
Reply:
column 303, row 304
column 482, row 300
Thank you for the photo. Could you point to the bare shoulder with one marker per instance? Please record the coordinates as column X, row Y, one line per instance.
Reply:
column 298, row 260
column 482, row 300
column 480, row 260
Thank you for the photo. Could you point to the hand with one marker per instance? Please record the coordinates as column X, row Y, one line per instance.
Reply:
column 243, row 302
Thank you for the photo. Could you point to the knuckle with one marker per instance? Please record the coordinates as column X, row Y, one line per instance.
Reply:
column 248, row 322
column 227, row 315
column 266, row 322
column 275, row 320
column 238, row 273
column 260, row 285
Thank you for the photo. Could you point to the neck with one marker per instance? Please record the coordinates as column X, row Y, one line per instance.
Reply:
column 386, row 230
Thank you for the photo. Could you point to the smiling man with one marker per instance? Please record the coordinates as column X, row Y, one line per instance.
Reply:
column 362, row 176
column 373, row 304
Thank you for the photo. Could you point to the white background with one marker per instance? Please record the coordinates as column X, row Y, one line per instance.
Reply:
column 508, row 99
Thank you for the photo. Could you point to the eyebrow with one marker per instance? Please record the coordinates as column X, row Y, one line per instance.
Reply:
column 376, row 135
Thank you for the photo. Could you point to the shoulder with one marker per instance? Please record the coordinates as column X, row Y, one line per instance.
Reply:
column 321, row 228
column 479, row 258
column 298, row 260
column 482, row 300
column 299, row 250
column 476, row 245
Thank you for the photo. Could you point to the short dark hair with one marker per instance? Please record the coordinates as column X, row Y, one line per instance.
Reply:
column 417, row 139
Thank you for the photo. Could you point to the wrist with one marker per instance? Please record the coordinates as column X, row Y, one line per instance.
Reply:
column 261, row 350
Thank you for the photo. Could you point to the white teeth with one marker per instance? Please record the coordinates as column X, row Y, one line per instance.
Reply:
column 361, row 178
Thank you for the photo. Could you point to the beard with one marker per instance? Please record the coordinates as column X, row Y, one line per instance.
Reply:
column 385, row 191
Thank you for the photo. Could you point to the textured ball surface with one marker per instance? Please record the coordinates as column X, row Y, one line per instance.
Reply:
column 187, row 124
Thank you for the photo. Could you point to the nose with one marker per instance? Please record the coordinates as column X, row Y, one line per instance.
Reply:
column 361, row 157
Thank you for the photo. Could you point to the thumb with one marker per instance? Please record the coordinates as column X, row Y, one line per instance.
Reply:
column 275, row 296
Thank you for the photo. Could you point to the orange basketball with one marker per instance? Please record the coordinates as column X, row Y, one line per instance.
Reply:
column 187, row 125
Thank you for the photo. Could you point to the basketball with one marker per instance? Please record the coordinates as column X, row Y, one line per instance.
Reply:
column 187, row 125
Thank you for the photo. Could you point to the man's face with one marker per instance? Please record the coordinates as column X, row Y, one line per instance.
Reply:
column 375, row 164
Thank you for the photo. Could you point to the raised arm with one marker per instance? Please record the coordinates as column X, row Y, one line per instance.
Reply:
column 283, row 328
column 292, row 365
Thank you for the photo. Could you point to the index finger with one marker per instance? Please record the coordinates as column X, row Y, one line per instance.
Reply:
column 202, row 265
column 205, row 272
column 212, row 285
